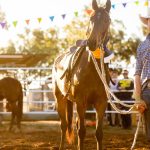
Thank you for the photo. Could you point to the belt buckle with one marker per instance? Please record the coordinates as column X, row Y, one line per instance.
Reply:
column 148, row 84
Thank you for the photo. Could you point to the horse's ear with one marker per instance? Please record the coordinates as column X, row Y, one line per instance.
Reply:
column 108, row 5
column 94, row 5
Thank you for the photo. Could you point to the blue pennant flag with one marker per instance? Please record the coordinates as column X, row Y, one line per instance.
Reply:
column 113, row 6
column 51, row 18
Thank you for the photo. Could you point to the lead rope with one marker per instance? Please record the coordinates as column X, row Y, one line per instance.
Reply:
column 102, row 76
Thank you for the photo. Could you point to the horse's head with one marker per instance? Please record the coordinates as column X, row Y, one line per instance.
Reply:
column 100, row 21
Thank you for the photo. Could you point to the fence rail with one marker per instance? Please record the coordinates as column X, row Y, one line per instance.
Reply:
column 39, row 102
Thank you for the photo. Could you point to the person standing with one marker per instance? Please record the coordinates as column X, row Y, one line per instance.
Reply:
column 115, row 118
column 142, row 74
column 125, row 86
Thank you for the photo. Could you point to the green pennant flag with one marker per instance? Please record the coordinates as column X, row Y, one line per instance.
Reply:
column 15, row 23
column 136, row 2
column 76, row 13
column 39, row 20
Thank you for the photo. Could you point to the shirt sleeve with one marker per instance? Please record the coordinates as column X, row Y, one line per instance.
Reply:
column 139, row 64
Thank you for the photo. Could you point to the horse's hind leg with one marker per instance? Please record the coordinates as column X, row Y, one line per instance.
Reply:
column 12, row 120
column 81, row 125
column 19, row 110
column 61, row 108
column 100, row 110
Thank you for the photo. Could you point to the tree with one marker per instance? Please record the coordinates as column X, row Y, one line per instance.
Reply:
column 74, row 31
column 40, row 42
column 124, row 47
column 10, row 49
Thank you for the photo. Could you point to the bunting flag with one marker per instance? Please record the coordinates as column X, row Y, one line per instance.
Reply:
column 76, row 13
column 137, row 2
column 39, row 20
column 144, row 3
column 51, row 18
column 89, row 11
column 15, row 23
column 27, row 21
column 113, row 6
column 3, row 24
column 124, row 4
column 63, row 16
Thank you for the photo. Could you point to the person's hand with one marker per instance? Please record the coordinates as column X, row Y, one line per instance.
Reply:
column 141, row 106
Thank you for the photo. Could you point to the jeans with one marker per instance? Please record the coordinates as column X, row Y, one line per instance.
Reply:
column 146, row 98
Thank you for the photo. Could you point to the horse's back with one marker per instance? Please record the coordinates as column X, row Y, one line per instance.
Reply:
column 10, row 88
column 62, row 61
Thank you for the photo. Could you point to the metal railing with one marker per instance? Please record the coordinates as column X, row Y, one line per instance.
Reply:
column 42, row 105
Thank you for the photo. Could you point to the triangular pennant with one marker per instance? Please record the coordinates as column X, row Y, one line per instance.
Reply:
column 39, row 20
column 124, row 4
column 146, row 3
column 113, row 6
column 76, row 13
column 136, row 2
column 63, row 16
column 27, row 21
column 51, row 18
column 3, row 24
column 15, row 23
column 89, row 11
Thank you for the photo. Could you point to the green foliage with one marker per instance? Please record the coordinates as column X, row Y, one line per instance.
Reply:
column 74, row 31
column 40, row 42
column 124, row 47
column 10, row 49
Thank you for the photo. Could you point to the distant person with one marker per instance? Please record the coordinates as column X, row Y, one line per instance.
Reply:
column 124, row 85
column 142, row 74
column 115, row 118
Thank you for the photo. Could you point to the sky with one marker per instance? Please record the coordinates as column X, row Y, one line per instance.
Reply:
column 21, row 10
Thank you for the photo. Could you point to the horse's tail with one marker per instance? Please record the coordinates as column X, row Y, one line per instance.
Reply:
column 70, row 133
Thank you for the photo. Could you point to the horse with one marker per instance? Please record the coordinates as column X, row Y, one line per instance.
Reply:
column 76, row 81
column 11, row 90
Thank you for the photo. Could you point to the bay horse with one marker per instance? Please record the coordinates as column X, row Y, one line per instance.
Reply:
column 75, row 80
column 11, row 90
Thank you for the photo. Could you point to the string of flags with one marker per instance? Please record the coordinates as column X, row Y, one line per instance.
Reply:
column 145, row 3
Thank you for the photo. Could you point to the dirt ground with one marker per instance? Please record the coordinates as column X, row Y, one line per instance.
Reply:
column 44, row 135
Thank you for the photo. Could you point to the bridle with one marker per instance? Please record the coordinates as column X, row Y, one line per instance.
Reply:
column 89, row 29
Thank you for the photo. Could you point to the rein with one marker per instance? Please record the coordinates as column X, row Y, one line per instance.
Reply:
column 102, row 76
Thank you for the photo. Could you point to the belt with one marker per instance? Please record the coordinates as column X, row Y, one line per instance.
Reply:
column 148, row 84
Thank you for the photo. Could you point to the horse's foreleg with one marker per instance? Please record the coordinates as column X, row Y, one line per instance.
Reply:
column 100, row 110
column 81, row 126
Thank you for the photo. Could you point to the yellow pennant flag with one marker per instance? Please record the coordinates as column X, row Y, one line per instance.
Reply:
column 146, row 3
column 15, row 23
column 39, row 20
